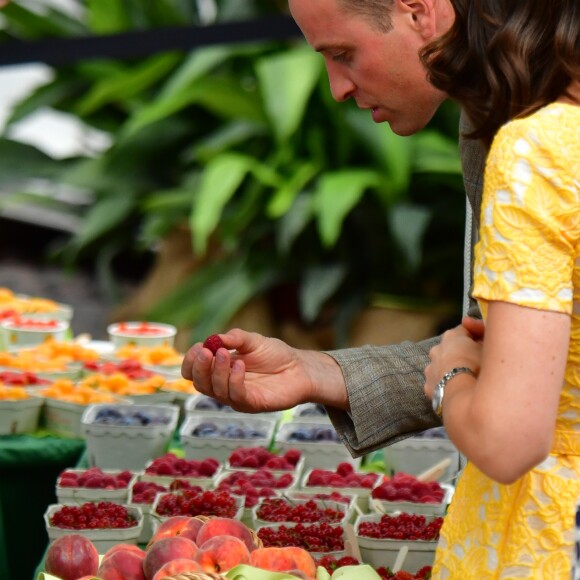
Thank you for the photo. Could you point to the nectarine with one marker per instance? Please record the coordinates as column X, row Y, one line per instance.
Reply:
column 122, row 565
column 126, row 548
column 184, row 526
column 72, row 556
column 177, row 567
column 220, row 553
column 165, row 550
column 304, row 560
column 225, row 527
column 273, row 559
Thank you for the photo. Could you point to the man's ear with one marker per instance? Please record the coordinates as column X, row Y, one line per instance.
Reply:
column 423, row 14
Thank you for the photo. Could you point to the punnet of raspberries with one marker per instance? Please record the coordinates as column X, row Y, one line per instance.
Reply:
column 94, row 478
column 343, row 476
column 90, row 516
column 194, row 503
column 171, row 465
column 145, row 492
column 405, row 487
column 213, row 342
column 258, row 457
column 402, row 527
column 316, row 538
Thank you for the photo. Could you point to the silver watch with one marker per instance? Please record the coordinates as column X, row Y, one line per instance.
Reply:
column 439, row 389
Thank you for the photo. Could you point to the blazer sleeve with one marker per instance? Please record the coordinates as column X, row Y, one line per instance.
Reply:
column 385, row 391
column 385, row 383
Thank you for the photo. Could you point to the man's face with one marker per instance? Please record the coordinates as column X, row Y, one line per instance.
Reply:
column 381, row 71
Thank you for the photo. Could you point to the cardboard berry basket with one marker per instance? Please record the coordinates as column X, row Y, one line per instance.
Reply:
column 64, row 417
column 362, row 493
column 20, row 416
column 415, row 454
column 349, row 506
column 220, row 447
column 34, row 332
column 383, row 552
column 78, row 495
column 321, row 504
column 148, row 519
column 382, row 506
column 128, row 446
column 141, row 333
column 198, row 404
column 296, row 472
column 104, row 538
column 310, row 413
column 167, row 480
column 321, row 454
column 159, row 518
column 345, row 551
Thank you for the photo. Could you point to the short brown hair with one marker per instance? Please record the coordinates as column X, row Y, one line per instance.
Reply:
column 376, row 12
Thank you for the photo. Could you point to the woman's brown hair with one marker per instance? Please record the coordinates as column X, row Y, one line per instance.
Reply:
column 503, row 59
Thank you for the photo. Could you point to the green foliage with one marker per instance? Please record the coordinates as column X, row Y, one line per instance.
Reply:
column 246, row 146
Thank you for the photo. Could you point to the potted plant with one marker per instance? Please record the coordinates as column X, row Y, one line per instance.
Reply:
column 281, row 193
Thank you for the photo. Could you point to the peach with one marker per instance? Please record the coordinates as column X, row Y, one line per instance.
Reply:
column 89, row 577
column 125, row 548
column 220, row 553
column 72, row 556
column 184, row 526
column 225, row 527
column 165, row 550
column 177, row 567
column 273, row 559
column 122, row 565
column 304, row 561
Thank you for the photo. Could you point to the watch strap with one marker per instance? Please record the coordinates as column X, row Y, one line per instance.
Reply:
column 439, row 390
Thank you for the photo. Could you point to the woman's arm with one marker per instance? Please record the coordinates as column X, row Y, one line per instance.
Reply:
column 504, row 419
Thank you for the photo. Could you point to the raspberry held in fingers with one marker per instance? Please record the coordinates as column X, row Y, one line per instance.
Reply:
column 213, row 343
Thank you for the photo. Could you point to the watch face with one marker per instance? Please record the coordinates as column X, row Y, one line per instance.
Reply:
column 437, row 398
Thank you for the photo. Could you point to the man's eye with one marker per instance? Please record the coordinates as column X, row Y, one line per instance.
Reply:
column 340, row 57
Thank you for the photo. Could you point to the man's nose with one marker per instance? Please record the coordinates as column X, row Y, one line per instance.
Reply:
column 341, row 87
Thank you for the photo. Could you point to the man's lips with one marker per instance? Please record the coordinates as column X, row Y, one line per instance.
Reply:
column 375, row 112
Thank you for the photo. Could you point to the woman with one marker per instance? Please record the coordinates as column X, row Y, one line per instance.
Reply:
column 510, row 399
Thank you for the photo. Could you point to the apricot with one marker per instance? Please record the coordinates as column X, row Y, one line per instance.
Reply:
column 178, row 566
column 220, row 553
column 72, row 556
column 165, row 550
column 273, row 559
column 122, row 565
column 225, row 527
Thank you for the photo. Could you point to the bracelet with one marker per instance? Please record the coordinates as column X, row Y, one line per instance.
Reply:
column 439, row 390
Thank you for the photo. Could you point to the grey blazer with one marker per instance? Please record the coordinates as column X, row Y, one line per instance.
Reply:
column 385, row 383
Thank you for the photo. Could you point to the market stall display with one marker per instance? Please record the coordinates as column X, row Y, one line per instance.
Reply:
column 284, row 477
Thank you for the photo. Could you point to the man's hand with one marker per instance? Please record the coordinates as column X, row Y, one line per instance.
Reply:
column 254, row 374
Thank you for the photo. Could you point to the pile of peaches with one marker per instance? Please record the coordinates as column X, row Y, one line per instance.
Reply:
column 180, row 545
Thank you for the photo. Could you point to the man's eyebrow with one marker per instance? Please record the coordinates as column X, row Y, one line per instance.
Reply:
column 327, row 47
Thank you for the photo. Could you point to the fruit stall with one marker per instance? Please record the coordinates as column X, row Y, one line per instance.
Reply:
column 126, row 471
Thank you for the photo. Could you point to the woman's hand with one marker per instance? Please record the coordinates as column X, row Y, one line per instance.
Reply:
column 257, row 374
column 459, row 347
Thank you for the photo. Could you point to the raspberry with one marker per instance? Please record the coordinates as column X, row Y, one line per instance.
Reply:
column 213, row 343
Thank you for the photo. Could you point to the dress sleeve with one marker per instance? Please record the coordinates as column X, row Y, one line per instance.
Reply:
column 529, row 222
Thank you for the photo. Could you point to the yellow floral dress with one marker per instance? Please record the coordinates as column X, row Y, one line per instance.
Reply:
column 528, row 254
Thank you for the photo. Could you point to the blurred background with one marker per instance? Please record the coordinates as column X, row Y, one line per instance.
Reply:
column 183, row 161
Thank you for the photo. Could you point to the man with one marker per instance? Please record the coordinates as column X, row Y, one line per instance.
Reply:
column 374, row 394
